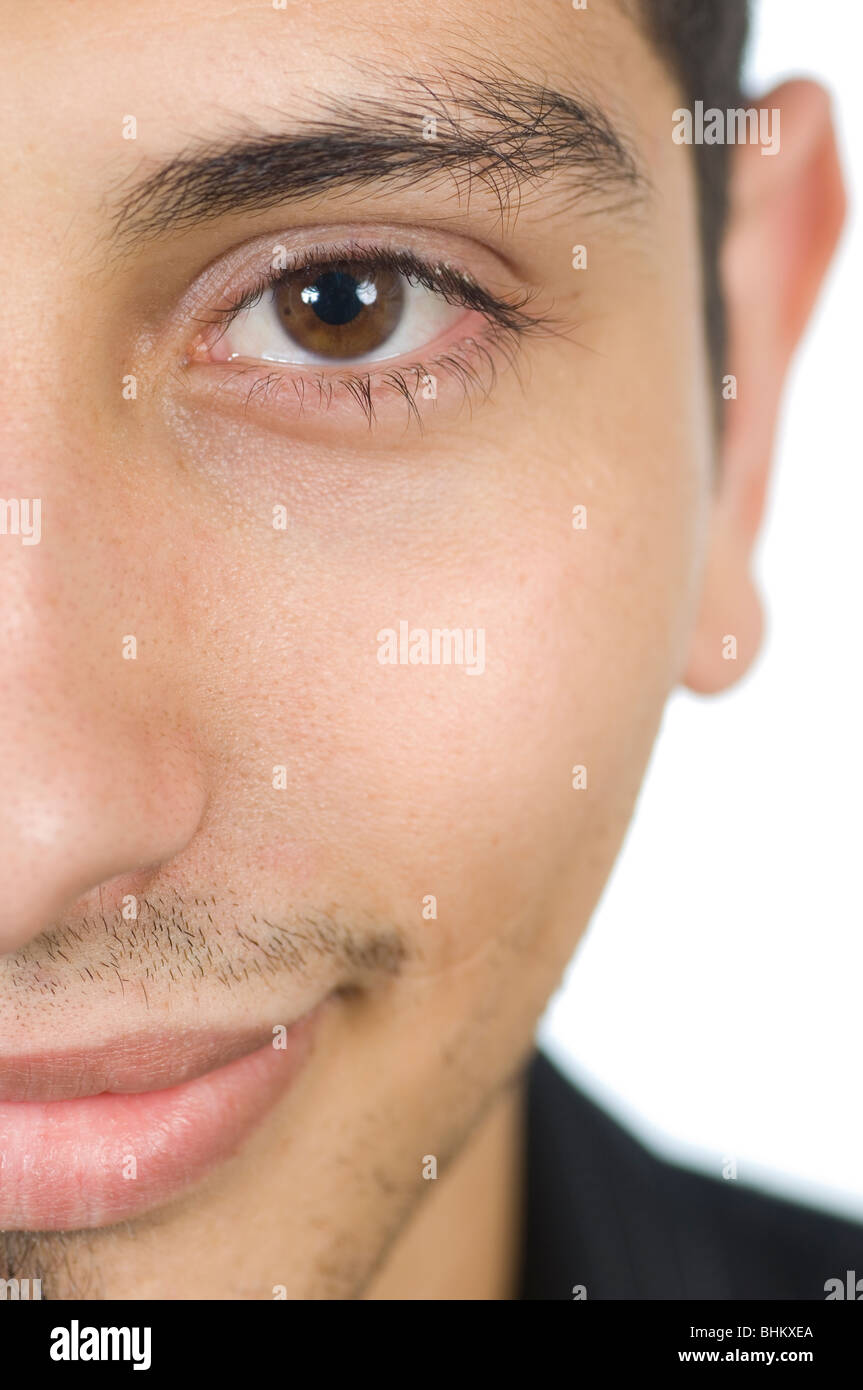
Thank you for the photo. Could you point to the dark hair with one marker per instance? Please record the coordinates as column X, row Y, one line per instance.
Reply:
column 703, row 41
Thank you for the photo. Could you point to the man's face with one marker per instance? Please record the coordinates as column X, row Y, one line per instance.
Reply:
column 265, row 806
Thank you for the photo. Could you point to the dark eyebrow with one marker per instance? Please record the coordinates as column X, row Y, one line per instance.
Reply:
column 505, row 133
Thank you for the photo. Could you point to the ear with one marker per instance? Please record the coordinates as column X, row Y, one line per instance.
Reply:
column 786, row 213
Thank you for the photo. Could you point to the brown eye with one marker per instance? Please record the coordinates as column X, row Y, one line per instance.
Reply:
column 341, row 311
column 346, row 310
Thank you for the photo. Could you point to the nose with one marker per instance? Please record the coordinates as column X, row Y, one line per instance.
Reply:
column 100, row 763
column 99, row 776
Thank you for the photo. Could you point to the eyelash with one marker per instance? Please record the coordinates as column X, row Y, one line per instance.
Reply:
column 508, row 321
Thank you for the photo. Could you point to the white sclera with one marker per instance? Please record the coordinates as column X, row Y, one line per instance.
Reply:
column 259, row 332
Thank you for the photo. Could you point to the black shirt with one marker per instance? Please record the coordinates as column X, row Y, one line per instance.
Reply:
column 604, row 1213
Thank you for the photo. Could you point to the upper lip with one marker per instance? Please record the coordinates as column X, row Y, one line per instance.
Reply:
column 143, row 1062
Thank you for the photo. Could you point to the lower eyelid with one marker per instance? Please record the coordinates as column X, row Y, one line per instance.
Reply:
column 460, row 367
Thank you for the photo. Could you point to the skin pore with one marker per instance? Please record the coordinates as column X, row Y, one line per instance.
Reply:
column 280, row 803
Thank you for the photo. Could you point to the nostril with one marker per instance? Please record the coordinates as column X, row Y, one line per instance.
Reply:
column 90, row 831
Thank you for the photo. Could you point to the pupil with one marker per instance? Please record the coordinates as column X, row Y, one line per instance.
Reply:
column 336, row 297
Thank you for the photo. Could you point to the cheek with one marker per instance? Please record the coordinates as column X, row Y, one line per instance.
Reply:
column 408, row 780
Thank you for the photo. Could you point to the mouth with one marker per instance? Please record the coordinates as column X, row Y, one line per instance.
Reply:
column 89, row 1138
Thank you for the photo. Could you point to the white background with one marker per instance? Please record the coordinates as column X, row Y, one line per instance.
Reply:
column 716, row 1004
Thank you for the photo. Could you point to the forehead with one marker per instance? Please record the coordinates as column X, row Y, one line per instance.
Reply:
column 72, row 71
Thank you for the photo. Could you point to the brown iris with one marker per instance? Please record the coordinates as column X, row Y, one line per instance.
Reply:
column 340, row 310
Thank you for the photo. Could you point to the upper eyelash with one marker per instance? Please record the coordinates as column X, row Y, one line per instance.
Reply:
column 455, row 286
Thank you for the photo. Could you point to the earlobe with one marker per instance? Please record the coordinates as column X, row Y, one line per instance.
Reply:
column 729, row 625
column 786, row 213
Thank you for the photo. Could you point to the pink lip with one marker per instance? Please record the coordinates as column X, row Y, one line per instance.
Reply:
column 91, row 1138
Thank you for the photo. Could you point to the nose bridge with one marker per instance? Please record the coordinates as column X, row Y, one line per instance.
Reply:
column 95, row 783
column 99, row 772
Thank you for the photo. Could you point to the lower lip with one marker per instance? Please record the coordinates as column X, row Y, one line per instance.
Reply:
column 72, row 1164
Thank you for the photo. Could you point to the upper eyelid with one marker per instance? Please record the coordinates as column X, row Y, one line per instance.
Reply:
column 228, row 274
column 458, row 286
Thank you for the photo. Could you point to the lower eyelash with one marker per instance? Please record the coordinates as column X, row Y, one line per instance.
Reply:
column 472, row 363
